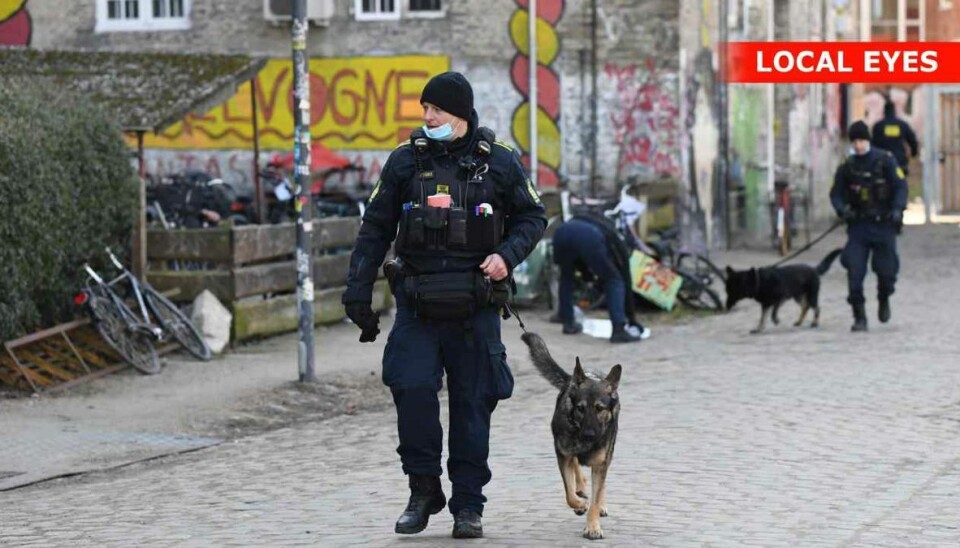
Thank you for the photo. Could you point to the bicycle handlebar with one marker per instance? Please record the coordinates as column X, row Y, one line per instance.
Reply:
column 93, row 274
column 114, row 258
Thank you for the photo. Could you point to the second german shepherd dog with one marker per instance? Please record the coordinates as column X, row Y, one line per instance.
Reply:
column 584, row 430
column 771, row 286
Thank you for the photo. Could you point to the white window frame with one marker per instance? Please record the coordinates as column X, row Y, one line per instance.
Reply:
column 361, row 15
column 146, row 21
column 425, row 14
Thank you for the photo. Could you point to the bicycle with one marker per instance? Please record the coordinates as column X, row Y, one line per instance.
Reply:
column 132, row 334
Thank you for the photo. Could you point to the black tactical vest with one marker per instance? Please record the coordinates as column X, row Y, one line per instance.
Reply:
column 868, row 190
column 473, row 225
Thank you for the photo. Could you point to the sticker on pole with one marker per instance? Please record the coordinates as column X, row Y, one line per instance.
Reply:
column 653, row 281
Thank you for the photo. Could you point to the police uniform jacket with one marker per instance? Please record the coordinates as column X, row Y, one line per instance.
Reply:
column 853, row 178
column 399, row 186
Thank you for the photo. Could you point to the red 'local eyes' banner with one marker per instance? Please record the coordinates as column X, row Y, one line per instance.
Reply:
column 842, row 62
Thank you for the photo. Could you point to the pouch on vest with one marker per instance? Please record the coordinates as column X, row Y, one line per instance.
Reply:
column 411, row 233
column 448, row 296
column 486, row 231
column 457, row 233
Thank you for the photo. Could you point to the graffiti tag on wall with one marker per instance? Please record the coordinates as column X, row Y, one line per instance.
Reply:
column 357, row 103
column 548, row 87
column 16, row 28
column 645, row 118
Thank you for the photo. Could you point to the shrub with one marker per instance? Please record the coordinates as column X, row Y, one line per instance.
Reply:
column 67, row 190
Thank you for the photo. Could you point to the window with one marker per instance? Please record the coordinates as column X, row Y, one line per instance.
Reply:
column 142, row 15
column 424, row 5
column 377, row 10
column 425, row 8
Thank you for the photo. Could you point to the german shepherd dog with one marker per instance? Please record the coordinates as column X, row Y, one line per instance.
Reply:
column 584, row 430
column 771, row 286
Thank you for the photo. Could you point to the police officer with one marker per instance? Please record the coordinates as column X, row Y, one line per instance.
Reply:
column 891, row 133
column 467, row 215
column 870, row 194
column 588, row 244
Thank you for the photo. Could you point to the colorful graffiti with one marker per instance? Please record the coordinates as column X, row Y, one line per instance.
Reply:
column 645, row 119
column 548, row 87
column 357, row 103
column 16, row 28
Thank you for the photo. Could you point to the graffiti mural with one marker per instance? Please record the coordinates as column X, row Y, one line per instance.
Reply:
column 16, row 28
column 357, row 103
column 645, row 120
column 547, row 104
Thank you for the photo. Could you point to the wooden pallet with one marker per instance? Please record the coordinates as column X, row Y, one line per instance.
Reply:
column 57, row 358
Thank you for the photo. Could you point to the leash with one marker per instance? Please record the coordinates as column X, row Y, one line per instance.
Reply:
column 795, row 254
column 508, row 311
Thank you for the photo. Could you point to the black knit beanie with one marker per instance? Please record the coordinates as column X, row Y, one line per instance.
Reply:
column 451, row 92
column 858, row 130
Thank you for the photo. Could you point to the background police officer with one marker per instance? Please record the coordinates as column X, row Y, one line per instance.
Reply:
column 444, row 323
column 870, row 194
column 891, row 133
column 587, row 243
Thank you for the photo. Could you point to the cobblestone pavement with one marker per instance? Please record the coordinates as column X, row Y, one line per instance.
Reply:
column 797, row 437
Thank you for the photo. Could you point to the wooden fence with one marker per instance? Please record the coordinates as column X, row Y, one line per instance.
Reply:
column 252, row 270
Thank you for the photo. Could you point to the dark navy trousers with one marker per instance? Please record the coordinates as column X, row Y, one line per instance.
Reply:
column 576, row 243
column 417, row 355
column 864, row 239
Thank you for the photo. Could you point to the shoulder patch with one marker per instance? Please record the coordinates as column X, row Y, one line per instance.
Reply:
column 900, row 173
column 401, row 145
column 504, row 145
column 376, row 190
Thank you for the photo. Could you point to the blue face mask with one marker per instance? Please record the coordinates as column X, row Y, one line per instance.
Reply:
column 439, row 133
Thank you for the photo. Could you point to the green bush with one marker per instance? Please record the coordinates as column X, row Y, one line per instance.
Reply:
column 67, row 190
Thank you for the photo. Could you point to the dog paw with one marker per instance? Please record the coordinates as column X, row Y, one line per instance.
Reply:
column 756, row 331
column 776, row 321
column 814, row 325
column 593, row 532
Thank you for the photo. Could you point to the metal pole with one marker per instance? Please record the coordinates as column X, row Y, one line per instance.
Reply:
column 724, row 144
column 593, row 98
column 139, row 260
column 534, row 107
column 258, row 190
column 304, row 203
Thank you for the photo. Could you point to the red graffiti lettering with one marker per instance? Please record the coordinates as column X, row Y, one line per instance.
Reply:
column 403, row 97
column 334, row 98
column 267, row 105
column 379, row 99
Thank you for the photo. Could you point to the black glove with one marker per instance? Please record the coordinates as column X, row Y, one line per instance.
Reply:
column 896, row 218
column 847, row 214
column 368, row 322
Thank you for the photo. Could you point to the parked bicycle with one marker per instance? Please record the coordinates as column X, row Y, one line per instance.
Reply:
column 133, row 334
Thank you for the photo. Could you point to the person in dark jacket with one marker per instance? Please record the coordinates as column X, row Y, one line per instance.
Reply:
column 593, row 246
column 870, row 194
column 464, row 214
column 893, row 134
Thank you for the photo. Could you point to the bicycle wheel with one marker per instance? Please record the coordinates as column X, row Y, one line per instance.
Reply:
column 134, row 347
column 696, row 295
column 701, row 266
column 176, row 322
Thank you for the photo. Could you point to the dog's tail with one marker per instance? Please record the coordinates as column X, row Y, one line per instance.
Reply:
column 544, row 362
column 824, row 265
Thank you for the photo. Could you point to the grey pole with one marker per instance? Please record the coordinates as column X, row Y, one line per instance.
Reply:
column 304, row 202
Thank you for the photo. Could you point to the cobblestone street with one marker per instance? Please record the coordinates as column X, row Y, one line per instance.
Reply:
column 796, row 437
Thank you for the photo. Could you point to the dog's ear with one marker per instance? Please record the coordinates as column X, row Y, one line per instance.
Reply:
column 613, row 377
column 579, row 377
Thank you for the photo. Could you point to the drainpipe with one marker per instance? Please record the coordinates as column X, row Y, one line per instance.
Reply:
column 771, row 114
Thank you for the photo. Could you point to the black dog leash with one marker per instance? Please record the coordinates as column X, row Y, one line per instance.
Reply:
column 795, row 254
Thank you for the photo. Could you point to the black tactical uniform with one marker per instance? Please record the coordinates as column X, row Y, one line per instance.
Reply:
column 869, row 192
column 447, row 320
column 891, row 133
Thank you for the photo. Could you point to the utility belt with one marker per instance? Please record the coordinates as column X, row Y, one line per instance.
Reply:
column 446, row 296
column 455, row 231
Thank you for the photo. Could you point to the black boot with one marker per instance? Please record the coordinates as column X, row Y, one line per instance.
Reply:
column 623, row 335
column 883, row 313
column 466, row 524
column 426, row 499
column 859, row 318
